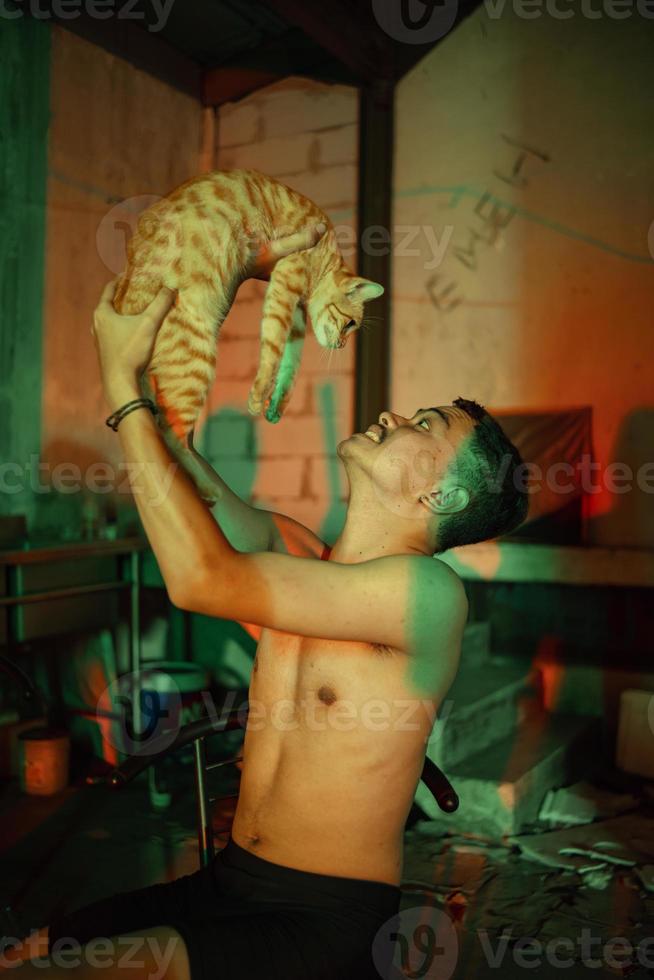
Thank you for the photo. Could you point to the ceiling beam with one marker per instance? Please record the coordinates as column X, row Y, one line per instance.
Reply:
column 128, row 40
column 361, row 45
column 220, row 85
column 291, row 53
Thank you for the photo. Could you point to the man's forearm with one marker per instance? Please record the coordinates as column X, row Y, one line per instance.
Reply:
column 247, row 528
column 179, row 526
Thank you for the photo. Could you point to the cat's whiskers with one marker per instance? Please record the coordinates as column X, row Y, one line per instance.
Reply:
column 326, row 355
column 369, row 321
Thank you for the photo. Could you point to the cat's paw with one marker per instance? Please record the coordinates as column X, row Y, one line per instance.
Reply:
column 255, row 405
column 272, row 414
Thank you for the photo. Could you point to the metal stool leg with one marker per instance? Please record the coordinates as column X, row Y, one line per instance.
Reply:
column 205, row 831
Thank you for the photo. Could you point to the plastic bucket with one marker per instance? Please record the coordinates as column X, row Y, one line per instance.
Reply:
column 46, row 758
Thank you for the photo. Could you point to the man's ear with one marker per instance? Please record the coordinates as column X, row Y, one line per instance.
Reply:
column 451, row 501
column 364, row 289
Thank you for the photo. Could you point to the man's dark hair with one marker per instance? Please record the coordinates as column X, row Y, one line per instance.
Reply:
column 486, row 466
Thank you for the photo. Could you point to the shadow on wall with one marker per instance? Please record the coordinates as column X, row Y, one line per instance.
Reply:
column 229, row 442
column 628, row 512
column 334, row 519
column 77, row 491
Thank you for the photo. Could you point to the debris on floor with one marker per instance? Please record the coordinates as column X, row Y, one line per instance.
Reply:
column 627, row 840
column 582, row 884
column 582, row 803
column 646, row 875
column 599, row 878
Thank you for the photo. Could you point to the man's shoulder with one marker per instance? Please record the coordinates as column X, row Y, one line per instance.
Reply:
column 444, row 585
column 437, row 571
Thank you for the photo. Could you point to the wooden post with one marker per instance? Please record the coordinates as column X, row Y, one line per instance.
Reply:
column 376, row 141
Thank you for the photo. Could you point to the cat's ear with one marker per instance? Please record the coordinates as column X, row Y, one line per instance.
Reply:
column 364, row 289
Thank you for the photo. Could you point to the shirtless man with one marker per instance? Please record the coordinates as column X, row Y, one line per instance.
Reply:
column 356, row 653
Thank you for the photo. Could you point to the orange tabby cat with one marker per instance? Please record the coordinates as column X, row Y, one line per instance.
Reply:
column 200, row 240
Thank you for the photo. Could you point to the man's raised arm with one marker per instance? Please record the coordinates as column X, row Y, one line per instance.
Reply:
column 246, row 527
column 179, row 525
column 388, row 600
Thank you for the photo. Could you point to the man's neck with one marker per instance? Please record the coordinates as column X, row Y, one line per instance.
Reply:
column 371, row 532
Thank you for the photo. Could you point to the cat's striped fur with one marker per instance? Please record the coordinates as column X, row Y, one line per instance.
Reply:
column 200, row 240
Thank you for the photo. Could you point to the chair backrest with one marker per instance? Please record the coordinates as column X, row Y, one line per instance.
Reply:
column 197, row 732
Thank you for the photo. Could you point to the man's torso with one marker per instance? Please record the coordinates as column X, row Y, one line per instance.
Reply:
column 333, row 752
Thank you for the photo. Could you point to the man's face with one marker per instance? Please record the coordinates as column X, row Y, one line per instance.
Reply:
column 406, row 458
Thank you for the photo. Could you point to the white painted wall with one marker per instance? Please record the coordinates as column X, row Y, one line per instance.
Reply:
column 557, row 310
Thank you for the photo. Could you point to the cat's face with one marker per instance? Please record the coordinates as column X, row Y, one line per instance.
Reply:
column 336, row 307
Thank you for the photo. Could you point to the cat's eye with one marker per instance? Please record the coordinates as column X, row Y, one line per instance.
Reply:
column 427, row 422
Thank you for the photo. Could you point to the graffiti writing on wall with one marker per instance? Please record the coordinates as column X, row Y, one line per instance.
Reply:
column 489, row 218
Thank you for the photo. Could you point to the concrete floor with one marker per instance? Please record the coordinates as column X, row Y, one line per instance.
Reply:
column 91, row 842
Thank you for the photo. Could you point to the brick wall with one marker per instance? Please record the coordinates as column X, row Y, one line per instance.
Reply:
column 305, row 134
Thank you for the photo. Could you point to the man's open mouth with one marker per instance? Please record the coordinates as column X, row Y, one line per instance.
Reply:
column 375, row 432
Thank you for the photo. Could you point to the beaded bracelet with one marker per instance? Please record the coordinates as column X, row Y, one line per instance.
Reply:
column 114, row 420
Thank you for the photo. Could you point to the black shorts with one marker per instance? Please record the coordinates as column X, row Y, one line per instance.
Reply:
column 247, row 918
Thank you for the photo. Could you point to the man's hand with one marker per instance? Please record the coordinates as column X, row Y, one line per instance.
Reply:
column 125, row 343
